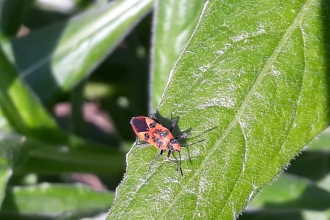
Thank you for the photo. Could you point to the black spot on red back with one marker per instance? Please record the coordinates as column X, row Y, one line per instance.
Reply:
column 153, row 124
column 146, row 136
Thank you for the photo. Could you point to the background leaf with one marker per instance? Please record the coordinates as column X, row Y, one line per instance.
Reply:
column 4, row 124
column 25, row 155
column 64, row 199
column 302, row 192
column 83, row 41
column 22, row 155
column 12, row 14
column 254, row 84
column 292, row 193
column 174, row 23
column 27, row 116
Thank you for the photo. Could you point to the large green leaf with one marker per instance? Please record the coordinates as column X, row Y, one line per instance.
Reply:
column 53, row 200
column 175, row 20
column 253, row 83
column 57, row 57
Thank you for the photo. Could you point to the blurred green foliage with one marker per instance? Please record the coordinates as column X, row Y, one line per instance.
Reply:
column 253, row 81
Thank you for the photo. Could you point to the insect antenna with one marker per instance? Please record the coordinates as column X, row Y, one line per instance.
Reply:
column 192, row 143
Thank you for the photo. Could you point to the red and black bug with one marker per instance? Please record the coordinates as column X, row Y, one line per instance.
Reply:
column 151, row 132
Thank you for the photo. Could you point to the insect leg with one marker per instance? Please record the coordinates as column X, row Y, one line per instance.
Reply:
column 156, row 158
column 173, row 123
column 178, row 164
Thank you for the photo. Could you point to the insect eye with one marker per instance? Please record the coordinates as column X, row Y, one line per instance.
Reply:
column 146, row 136
column 152, row 125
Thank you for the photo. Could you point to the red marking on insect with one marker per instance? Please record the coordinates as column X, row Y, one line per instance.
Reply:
column 151, row 132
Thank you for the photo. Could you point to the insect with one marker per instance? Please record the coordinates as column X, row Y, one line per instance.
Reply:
column 151, row 132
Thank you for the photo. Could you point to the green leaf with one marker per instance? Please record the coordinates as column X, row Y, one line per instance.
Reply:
column 253, row 82
column 53, row 199
column 66, row 52
column 5, row 174
column 25, row 112
column 4, row 123
column 22, row 108
column 321, row 142
column 174, row 23
column 303, row 191
column 292, row 192
column 26, row 155
column 290, row 196
column 312, row 165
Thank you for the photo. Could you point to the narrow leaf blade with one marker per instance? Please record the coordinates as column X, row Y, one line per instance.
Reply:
column 174, row 23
